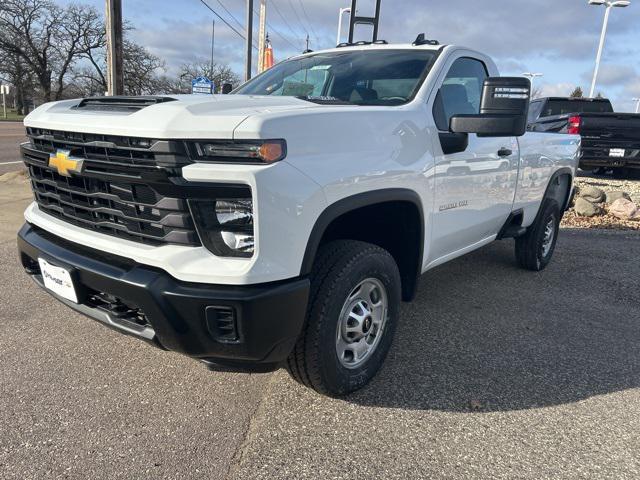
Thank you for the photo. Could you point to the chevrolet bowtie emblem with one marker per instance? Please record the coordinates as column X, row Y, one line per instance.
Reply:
column 65, row 164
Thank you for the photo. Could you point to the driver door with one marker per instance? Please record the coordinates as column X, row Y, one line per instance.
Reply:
column 474, row 189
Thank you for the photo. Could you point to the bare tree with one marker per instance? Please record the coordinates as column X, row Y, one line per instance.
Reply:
column 61, row 53
column 536, row 92
column 48, row 39
column 141, row 71
column 14, row 70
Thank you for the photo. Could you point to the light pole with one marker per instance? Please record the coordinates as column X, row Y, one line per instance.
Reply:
column 340, row 15
column 637, row 100
column 609, row 4
column 532, row 77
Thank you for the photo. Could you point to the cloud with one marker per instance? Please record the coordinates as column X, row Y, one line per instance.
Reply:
column 612, row 75
column 556, row 37
column 632, row 88
column 557, row 89
column 181, row 41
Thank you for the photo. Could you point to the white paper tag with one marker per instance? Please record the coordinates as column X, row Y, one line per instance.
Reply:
column 616, row 152
column 58, row 280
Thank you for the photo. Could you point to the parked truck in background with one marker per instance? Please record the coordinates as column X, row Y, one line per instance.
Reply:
column 610, row 141
column 282, row 225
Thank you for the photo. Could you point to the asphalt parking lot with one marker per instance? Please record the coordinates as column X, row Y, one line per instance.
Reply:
column 494, row 373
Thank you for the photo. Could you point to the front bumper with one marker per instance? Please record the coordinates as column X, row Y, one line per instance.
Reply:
column 252, row 327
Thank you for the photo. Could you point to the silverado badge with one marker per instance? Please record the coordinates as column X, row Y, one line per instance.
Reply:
column 64, row 163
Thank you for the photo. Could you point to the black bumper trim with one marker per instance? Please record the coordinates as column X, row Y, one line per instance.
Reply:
column 269, row 316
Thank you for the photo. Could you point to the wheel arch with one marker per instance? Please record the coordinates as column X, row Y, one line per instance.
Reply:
column 556, row 185
column 330, row 221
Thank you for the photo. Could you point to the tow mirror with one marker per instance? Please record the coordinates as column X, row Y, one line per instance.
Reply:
column 503, row 109
column 226, row 88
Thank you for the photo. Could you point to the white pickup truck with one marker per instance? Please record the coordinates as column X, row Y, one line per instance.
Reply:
column 283, row 224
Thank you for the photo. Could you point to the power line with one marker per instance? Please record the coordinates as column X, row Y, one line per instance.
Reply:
column 230, row 14
column 277, row 32
column 225, row 22
column 295, row 12
column 306, row 16
column 275, row 6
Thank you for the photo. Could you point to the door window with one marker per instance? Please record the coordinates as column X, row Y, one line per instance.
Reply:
column 461, row 91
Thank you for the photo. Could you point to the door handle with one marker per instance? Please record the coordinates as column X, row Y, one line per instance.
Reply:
column 505, row 152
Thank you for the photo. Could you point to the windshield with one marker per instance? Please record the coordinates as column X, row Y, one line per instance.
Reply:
column 362, row 77
column 562, row 107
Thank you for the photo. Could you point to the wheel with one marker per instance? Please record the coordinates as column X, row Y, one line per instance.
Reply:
column 351, row 318
column 535, row 248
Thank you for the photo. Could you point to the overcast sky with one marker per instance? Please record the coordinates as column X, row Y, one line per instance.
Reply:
column 556, row 37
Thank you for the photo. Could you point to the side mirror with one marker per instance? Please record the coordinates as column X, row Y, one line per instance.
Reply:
column 226, row 88
column 503, row 109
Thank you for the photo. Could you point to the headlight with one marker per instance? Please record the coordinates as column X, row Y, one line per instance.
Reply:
column 225, row 226
column 245, row 151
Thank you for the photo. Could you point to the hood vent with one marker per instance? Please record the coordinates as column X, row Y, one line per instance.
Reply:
column 120, row 104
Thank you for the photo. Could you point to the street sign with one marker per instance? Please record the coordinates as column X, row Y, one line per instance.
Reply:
column 202, row 85
column 4, row 90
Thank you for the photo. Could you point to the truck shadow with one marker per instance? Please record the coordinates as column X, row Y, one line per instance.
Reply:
column 485, row 336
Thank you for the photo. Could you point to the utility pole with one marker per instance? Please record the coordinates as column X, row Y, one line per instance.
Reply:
column 307, row 49
column 115, row 74
column 262, row 34
column 249, row 41
column 637, row 100
column 213, row 43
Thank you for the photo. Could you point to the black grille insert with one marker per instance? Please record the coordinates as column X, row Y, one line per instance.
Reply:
column 128, row 210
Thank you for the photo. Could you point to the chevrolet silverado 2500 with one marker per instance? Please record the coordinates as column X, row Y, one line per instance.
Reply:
column 283, row 224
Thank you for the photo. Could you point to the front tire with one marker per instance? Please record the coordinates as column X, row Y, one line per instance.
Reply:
column 535, row 248
column 351, row 319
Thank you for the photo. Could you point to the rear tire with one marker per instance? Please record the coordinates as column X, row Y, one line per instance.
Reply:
column 351, row 319
column 535, row 248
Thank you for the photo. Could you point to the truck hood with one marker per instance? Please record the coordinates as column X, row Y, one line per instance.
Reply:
column 178, row 116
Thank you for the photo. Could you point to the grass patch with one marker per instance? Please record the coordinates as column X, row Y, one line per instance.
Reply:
column 12, row 115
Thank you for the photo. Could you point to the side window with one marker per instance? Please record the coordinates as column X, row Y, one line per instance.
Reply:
column 534, row 111
column 461, row 91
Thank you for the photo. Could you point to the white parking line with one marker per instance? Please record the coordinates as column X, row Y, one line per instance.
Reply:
column 9, row 163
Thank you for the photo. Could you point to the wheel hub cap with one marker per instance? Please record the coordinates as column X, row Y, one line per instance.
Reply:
column 547, row 240
column 361, row 322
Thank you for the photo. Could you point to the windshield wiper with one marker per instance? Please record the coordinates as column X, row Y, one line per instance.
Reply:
column 323, row 100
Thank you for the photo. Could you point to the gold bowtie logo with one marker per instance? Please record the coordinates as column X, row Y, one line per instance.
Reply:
column 65, row 164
